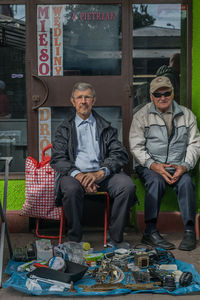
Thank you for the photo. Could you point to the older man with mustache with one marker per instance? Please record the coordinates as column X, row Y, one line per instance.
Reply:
column 88, row 157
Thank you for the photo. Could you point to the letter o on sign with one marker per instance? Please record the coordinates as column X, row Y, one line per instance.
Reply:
column 44, row 69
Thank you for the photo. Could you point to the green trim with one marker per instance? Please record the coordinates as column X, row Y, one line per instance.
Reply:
column 196, row 60
column 196, row 78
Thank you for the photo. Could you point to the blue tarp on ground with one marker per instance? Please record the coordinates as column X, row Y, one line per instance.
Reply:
column 18, row 282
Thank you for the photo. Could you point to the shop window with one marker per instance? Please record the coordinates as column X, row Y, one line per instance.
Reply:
column 13, row 122
column 79, row 40
column 159, row 48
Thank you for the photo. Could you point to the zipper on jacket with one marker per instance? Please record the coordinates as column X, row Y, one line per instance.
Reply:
column 169, row 139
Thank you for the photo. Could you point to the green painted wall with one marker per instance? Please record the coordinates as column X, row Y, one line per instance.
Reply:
column 196, row 60
column 16, row 194
column 196, row 78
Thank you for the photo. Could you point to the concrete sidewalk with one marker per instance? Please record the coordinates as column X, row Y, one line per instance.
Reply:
column 95, row 237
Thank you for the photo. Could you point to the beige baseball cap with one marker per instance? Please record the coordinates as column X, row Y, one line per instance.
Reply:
column 159, row 82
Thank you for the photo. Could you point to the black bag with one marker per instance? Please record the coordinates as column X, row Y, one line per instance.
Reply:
column 73, row 272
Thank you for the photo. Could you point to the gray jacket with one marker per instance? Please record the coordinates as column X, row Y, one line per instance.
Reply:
column 149, row 140
column 112, row 154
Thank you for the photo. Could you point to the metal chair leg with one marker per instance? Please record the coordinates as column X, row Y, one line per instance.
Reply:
column 59, row 236
column 106, row 213
column 106, row 217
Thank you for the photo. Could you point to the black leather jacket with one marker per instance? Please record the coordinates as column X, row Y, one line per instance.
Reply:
column 112, row 154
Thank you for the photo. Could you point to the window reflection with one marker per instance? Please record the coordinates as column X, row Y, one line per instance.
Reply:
column 112, row 115
column 157, row 47
column 13, row 131
column 92, row 40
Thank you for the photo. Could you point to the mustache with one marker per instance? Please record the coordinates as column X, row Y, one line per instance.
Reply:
column 84, row 104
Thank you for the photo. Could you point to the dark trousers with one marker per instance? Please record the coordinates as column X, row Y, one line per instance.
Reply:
column 122, row 194
column 155, row 187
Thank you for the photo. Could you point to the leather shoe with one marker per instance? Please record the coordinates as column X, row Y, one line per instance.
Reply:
column 156, row 240
column 189, row 241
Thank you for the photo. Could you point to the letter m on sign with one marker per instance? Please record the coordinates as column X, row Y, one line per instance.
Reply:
column 43, row 11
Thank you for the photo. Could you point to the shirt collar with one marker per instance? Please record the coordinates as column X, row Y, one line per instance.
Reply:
column 79, row 121
column 176, row 109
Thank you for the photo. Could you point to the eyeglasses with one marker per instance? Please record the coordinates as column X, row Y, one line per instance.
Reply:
column 86, row 97
column 159, row 95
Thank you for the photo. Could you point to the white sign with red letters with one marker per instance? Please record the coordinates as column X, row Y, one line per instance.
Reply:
column 57, row 39
column 43, row 40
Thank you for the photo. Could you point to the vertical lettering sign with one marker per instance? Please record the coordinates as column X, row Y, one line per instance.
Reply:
column 43, row 40
column 57, row 42
column 44, row 128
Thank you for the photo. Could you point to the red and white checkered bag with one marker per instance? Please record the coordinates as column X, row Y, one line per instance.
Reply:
column 39, row 189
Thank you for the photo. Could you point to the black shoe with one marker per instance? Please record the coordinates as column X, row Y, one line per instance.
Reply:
column 156, row 240
column 189, row 241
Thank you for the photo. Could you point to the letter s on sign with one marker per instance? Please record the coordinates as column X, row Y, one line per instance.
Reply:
column 44, row 56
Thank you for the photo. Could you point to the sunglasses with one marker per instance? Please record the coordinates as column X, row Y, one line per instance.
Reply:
column 159, row 95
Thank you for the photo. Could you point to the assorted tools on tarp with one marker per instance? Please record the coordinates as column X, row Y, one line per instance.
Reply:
column 75, row 269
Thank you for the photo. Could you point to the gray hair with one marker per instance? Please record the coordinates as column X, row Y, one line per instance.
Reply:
column 83, row 86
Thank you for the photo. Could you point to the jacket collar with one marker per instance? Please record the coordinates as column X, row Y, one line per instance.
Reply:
column 175, row 107
column 101, row 122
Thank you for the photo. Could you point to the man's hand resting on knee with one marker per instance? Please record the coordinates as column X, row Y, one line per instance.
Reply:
column 161, row 169
column 179, row 171
column 88, row 180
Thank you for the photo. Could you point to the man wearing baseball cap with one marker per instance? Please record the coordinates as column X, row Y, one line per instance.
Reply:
column 165, row 144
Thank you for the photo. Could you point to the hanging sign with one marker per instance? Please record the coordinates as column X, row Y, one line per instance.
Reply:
column 43, row 40
column 44, row 129
column 57, row 40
